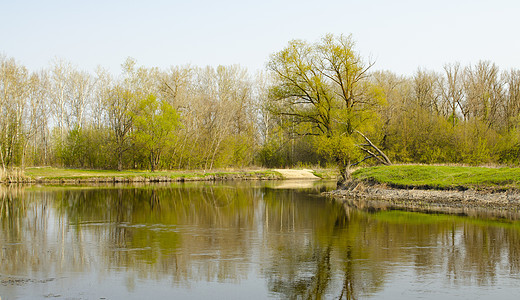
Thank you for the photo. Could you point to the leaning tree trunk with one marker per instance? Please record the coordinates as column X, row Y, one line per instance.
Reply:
column 371, row 150
column 379, row 155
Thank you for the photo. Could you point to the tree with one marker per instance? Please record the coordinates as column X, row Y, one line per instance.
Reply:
column 81, row 86
column 452, row 92
column 13, row 95
column 58, row 94
column 484, row 92
column 120, row 106
column 322, row 89
column 511, row 103
column 155, row 127
column 425, row 85
column 216, row 105
column 36, row 112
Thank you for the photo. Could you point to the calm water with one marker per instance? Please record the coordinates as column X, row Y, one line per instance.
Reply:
column 243, row 240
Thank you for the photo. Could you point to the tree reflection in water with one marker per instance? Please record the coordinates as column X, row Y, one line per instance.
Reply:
column 302, row 245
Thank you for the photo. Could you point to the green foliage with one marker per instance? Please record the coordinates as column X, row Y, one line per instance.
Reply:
column 320, row 84
column 508, row 148
column 321, row 90
column 475, row 143
column 155, row 124
column 341, row 148
column 237, row 151
column 270, row 155
column 420, row 137
column 72, row 151
column 85, row 148
column 283, row 152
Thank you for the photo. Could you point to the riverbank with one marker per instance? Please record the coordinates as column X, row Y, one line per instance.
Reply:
column 428, row 177
column 50, row 175
column 435, row 187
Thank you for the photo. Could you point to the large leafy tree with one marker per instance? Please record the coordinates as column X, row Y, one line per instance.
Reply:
column 321, row 89
column 155, row 123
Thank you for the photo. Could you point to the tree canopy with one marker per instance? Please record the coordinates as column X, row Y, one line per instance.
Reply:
column 322, row 90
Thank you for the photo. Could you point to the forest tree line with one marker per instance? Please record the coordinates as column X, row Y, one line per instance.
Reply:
column 316, row 103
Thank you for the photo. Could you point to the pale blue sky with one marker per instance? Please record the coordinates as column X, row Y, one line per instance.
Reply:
column 399, row 35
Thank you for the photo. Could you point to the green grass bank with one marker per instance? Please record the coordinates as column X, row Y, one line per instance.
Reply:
column 441, row 177
column 60, row 175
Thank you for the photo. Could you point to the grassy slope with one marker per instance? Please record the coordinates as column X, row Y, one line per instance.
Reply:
column 442, row 177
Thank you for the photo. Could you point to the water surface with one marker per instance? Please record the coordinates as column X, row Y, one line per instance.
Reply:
column 251, row 240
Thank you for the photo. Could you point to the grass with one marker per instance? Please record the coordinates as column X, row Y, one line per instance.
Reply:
column 50, row 173
column 441, row 177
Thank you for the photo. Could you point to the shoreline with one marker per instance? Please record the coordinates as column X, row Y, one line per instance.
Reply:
column 70, row 176
column 143, row 179
column 453, row 201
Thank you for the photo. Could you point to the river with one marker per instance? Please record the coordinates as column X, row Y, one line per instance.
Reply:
column 243, row 240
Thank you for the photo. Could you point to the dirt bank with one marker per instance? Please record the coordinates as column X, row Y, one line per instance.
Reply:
column 429, row 199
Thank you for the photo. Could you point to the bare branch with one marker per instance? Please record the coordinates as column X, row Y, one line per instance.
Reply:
column 385, row 159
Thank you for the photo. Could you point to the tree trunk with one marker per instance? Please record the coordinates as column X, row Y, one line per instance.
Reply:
column 345, row 172
column 154, row 159
column 2, row 158
column 152, row 162
column 120, row 160
column 24, row 152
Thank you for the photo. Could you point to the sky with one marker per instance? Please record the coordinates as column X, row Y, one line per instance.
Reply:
column 400, row 36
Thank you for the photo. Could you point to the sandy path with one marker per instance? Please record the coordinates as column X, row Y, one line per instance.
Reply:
column 296, row 174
